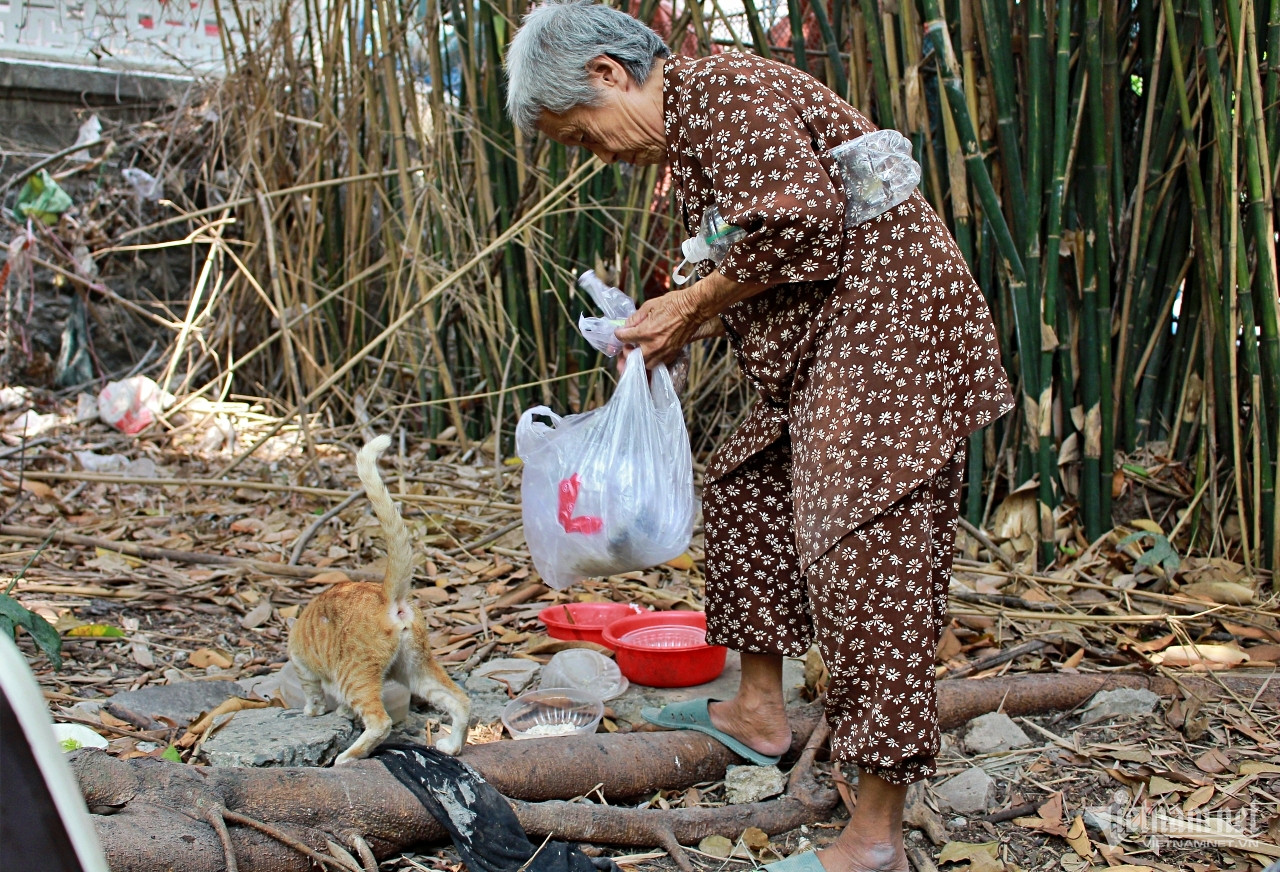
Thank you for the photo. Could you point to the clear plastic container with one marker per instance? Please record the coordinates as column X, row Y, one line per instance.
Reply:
column 879, row 173
column 561, row 711
column 584, row 669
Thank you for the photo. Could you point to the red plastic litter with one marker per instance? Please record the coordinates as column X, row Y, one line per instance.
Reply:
column 569, row 488
column 665, row 649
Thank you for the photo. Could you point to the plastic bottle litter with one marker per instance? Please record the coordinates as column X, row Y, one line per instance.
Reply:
column 132, row 405
column 879, row 173
column 586, row 670
column 715, row 236
column 617, row 308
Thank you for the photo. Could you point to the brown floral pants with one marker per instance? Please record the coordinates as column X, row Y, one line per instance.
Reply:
column 875, row 602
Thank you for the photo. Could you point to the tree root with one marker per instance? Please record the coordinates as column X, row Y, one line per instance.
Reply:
column 284, row 818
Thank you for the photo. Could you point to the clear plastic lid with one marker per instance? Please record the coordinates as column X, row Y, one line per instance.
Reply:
column 584, row 669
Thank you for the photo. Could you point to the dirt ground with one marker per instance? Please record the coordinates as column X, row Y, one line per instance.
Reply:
column 229, row 552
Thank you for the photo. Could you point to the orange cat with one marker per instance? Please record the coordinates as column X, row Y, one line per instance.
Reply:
column 356, row 634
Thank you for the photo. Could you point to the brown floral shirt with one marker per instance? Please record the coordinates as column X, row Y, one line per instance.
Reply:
column 874, row 352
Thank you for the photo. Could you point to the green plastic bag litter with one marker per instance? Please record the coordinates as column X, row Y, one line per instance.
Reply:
column 42, row 198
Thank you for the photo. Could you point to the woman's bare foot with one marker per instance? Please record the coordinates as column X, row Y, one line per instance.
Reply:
column 863, row 856
column 757, row 715
column 872, row 840
column 760, row 726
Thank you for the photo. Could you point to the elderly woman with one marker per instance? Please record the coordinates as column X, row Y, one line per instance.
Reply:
column 830, row 513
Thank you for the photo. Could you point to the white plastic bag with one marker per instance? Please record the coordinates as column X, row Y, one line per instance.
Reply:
column 610, row 490
column 617, row 307
column 132, row 404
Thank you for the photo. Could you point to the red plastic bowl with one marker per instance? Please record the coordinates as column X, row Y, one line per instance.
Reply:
column 589, row 620
column 665, row 649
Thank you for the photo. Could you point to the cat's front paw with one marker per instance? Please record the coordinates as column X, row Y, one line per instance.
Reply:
column 313, row 709
column 452, row 743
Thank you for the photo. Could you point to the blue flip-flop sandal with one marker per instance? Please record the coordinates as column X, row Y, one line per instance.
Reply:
column 693, row 715
column 804, row 862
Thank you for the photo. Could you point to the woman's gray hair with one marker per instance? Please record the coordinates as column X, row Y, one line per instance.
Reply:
column 547, row 59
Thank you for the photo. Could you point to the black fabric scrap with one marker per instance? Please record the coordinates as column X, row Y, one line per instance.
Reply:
column 483, row 826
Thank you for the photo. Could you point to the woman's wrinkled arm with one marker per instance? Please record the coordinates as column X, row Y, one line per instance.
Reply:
column 666, row 324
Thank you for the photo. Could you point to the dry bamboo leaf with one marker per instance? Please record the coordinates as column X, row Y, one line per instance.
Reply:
column 982, row 856
column 1213, row 761
column 257, row 616
column 1198, row 797
column 1078, row 839
column 1259, row 767
column 1264, row 654
column 332, row 576
column 202, row 658
column 1226, row 592
column 228, row 707
column 1158, row 644
column 1159, row 786
column 1201, row 657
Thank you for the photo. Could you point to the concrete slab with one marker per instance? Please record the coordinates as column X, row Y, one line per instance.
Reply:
column 627, row 707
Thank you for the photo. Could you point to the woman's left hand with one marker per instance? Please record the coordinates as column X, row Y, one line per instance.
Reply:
column 663, row 326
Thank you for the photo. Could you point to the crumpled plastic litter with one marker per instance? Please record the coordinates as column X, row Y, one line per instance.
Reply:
column 617, row 308
column 41, row 198
column 90, row 133
column 132, row 404
column 142, row 467
column 879, row 173
column 145, row 186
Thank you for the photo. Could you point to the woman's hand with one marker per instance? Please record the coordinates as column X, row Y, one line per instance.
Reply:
column 663, row 326
column 666, row 324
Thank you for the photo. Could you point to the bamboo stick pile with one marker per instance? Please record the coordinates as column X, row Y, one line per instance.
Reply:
column 404, row 258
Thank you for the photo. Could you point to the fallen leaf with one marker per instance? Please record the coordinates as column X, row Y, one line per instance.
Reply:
column 332, row 576
column 1213, row 762
column 287, row 612
column 257, row 615
column 716, row 846
column 982, row 856
column 96, row 631
column 755, row 838
column 1198, row 797
column 1157, row 644
column 1201, row 657
column 1264, row 653
column 1078, row 839
column 683, row 563
column 1259, row 767
column 227, row 707
column 1226, row 592
column 202, row 658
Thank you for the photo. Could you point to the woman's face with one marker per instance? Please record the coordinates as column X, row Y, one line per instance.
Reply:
column 624, row 124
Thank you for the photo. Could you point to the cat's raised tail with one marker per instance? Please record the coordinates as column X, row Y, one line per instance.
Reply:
column 399, row 576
